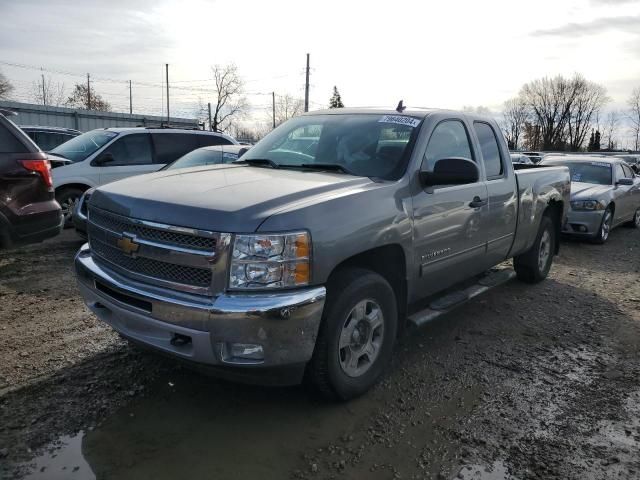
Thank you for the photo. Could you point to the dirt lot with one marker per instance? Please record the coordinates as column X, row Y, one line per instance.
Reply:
column 523, row 382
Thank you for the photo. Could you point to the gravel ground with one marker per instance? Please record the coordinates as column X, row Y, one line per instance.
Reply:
column 523, row 382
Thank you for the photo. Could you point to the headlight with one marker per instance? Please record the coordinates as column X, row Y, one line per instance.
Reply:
column 270, row 261
column 587, row 205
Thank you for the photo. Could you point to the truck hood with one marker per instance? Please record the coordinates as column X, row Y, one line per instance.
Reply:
column 588, row 191
column 224, row 198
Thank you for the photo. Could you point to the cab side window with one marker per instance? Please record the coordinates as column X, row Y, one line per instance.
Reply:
column 619, row 172
column 490, row 150
column 449, row 139
column 628, row 173
column 132, row 149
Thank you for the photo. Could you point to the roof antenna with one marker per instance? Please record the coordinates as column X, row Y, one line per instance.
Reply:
column 400, row 108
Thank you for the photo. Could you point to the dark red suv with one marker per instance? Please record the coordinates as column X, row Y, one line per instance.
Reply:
column 28, row 209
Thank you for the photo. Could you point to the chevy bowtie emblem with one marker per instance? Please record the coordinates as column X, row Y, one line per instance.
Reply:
column 127, row 244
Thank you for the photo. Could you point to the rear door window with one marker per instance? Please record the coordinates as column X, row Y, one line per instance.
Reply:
column 490, row 150
column 211, row 140
column 171, row 146
column 448, row 140
column 132, row 149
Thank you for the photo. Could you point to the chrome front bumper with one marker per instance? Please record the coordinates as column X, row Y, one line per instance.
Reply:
column 285, row 324
column 583, row 223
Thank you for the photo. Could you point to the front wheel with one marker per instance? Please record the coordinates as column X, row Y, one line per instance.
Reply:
column 533, row 266
column 605, row 227
column 635, row 221
column 357, row 335
column 67, row 198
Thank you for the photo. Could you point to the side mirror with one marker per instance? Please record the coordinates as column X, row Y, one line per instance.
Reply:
column 451, row 171
column 106, row 157
column 625, row 181
column 242, row 151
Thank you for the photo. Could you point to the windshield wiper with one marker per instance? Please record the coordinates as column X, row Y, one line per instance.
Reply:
column 259, row 162
column 335, row 167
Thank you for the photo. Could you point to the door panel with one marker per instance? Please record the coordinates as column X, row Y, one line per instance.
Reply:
column 502, row 193
column 449, row 234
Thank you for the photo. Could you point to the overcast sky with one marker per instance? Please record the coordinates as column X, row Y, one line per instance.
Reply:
column 440, row 54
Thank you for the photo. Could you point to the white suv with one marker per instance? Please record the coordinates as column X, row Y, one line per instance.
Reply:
column 105, row 155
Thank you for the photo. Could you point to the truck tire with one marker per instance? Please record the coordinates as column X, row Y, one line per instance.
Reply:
column 67, row 198
column 533, row 266
column 605, row 227
column 356, row 337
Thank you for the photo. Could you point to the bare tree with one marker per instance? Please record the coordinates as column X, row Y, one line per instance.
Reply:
column 588, row 100
column 634, row 115
column 5, row 86
column 80, row 98
column 46, row 92
column 287, row 106
column 550, row 101
column 610, row 129
column 230, row 101
column 515, row 116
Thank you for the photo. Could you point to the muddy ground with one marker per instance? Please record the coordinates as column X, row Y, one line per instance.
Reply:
column 523, row 382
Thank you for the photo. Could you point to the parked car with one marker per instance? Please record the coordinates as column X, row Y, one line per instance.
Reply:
column 534, row 156
column 198, row 158
column 105, row 155
column 48, row 138
column 521, row 159
column 208, row 156
column 605, row 193
column 289, row 261
column 28, row 210
column 633, row 161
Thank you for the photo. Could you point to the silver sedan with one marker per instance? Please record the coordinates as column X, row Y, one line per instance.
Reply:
column 605, row 193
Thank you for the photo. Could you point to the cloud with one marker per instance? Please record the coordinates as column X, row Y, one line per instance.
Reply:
column 628, row 24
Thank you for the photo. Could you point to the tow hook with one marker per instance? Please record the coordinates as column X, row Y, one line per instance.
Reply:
column 179, row 340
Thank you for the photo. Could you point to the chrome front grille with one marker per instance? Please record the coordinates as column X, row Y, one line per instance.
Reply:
column 179, row 258
column 117, row 223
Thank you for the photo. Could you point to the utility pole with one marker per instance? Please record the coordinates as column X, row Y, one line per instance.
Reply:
column 273, row 97
column 44, row 93
column 306, row 88
column 88, row 93
column 130, row 99
column 209, row 107
column 167, row 71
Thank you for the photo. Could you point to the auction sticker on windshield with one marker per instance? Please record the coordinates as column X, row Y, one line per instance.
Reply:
column 400, row 120
column 601, row 164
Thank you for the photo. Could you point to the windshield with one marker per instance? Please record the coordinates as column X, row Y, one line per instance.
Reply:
column 79, row 148
column 598, row 173
column 364, row 144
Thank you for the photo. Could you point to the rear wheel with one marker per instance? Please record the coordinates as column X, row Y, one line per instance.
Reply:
column 605, row 227
column 357, row 334
column 635, row 221
column 533, row 266
column 67, row 198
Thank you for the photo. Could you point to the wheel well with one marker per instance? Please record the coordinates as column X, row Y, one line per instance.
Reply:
column 68, row 186
column 389, row 262
column 554, row 211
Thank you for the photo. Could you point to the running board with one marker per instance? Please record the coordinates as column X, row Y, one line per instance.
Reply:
column 448, row 302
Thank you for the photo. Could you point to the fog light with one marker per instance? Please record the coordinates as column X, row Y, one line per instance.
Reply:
column 583, row 228
column 245, row 351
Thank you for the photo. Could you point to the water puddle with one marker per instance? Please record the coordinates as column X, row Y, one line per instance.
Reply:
column 63, row 460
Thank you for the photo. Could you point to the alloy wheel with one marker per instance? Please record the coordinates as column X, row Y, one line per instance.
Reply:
column 361, row 338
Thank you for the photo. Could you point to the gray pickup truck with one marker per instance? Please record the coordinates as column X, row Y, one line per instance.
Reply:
column 308, row 257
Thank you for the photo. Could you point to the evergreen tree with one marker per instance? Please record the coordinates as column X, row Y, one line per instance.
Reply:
column 591, row 140
column 596, row 141
column 336, row 101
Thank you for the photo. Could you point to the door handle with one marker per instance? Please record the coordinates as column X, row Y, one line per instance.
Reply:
column 477, row 202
